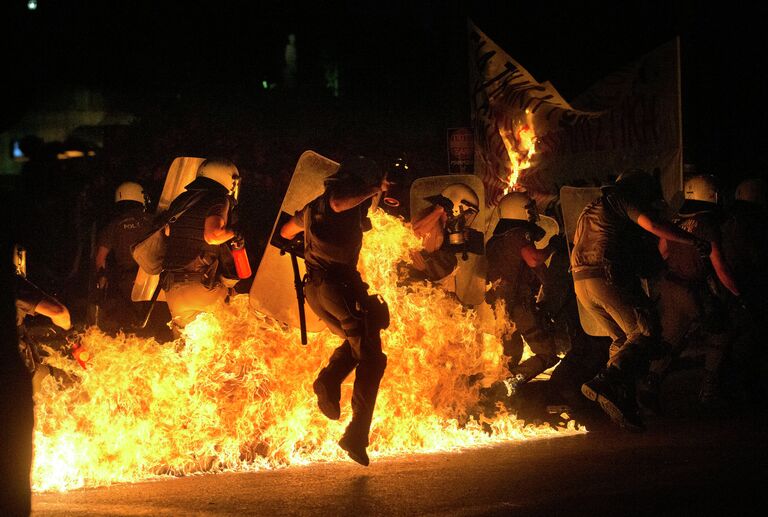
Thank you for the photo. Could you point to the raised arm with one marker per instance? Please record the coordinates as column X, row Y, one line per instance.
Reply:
column 341, row 201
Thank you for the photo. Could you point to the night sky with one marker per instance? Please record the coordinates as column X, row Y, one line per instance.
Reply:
column 398, row 59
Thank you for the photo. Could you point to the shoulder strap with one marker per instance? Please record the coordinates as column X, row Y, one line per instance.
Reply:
column 192, row 201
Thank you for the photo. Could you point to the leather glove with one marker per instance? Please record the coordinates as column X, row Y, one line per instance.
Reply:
column 557, row 242
column 238, row 240
column 537, row 232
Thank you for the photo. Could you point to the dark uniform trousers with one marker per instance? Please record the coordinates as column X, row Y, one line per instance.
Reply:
column 120, row 311
column 340, row 304
column 626, row 313
column 684, row 306
column 541, row 342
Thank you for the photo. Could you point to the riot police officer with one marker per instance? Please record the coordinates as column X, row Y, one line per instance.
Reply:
column 514, row 274
column 609, row 257
column 198, row 269
column 333, row 226
column 114, row 266
column 442, row 229
column 689, row 290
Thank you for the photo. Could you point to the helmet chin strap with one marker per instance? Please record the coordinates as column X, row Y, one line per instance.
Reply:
column 235, row 187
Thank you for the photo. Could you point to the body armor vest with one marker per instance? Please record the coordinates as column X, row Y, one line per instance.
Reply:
column 186, row 242
column 335, row 245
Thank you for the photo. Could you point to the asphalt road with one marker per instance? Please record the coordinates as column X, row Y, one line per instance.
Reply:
column 679, row 466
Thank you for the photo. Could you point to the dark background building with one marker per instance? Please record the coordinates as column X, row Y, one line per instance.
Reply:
column 391, row 76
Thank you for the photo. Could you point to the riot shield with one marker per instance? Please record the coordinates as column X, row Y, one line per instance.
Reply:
column 181, row 173
column 468, row 280
column 273, row 291
column 572, row 201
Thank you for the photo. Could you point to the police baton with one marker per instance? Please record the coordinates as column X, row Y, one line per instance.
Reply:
column 299, row 284
column 152, row 303
column 295, row 248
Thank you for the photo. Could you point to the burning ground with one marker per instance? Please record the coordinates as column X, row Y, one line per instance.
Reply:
column 237, row 393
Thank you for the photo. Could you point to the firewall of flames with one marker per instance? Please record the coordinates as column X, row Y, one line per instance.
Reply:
column 237, row 393
column 520, row 144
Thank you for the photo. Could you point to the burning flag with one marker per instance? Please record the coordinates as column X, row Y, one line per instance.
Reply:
column 237, row 393
column 520, row 144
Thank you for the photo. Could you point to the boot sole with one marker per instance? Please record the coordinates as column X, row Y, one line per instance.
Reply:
column 617, row 416
column 361, row 458
column 588, row 392
column 327, row 407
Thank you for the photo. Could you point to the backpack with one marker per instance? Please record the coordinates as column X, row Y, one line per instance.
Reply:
column 149, row 251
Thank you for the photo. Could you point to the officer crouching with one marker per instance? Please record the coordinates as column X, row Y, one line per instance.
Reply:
column 611, row 253
column 198, row 268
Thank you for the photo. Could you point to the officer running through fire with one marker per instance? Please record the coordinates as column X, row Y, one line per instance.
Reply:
column 514, row 271
column 333, row 226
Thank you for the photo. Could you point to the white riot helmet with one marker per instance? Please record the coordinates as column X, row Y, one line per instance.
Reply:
column 518, row 210
column 700, row 195
column 20, row 260
column 752, row 190
column 222, row 172
column 518, row 206
column 130, row 191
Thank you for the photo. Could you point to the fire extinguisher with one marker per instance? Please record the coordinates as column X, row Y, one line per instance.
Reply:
column 80, row 354
column 242, row 264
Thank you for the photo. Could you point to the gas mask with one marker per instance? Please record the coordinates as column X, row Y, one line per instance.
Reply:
column 461, row 206
column 464, row 210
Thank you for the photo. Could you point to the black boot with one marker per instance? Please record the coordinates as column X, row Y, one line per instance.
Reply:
column 355, row 444
column 328, row 397
column 615, row 394
column 327, row 386
column 649, row 394
column 710, row 395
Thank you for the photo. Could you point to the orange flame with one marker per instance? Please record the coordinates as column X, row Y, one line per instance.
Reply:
column 236, row 395
column 520, row 144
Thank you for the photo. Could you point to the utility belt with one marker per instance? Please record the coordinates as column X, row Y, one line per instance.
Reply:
column 371, row 306
column 171, row 278
column 587, row 272
column 613, row 274
column 345, row 276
